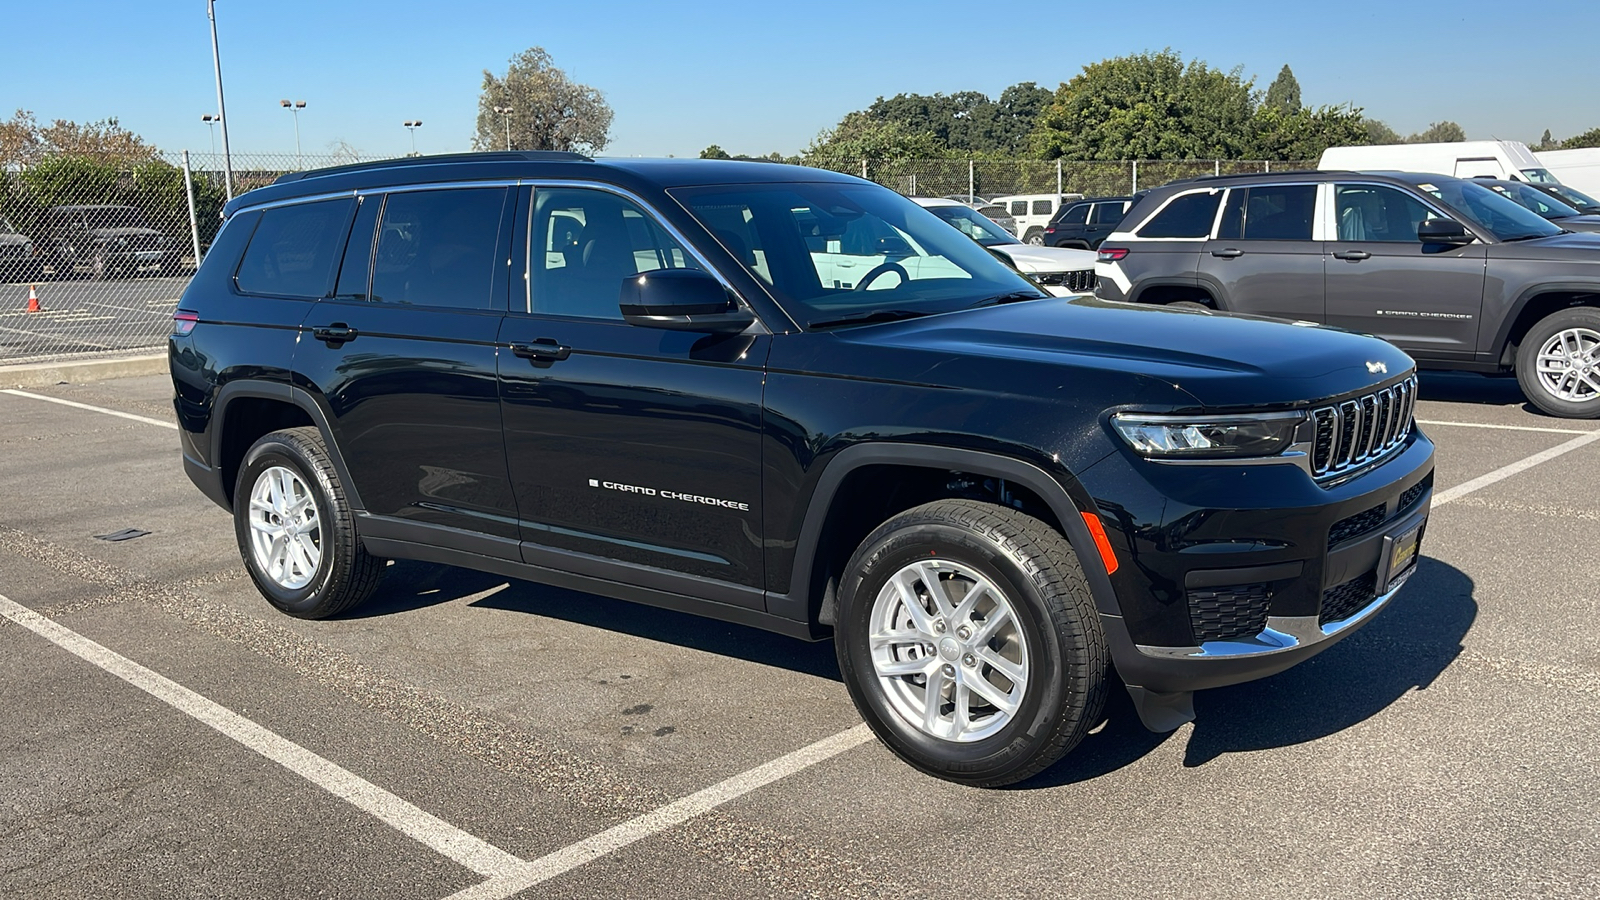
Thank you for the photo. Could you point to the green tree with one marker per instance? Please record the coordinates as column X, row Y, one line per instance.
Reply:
column 1439, row 133
column 1147, row 106
column 1379, row 133
column 1283, row 95
column 1590, row 138
column 549, row 111
column 1546, row 142
column 714, row 152
column 1305, row 133
column 968, row 120
column 882, row 145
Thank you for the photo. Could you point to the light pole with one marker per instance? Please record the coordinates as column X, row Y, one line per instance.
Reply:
column 295, row 108
column 222, row 109
column 505, row 112
column 412, row 127
column 211, row 126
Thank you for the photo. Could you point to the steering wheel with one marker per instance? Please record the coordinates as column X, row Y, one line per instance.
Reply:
column 879, row 269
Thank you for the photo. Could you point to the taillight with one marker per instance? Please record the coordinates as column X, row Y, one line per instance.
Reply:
column 184, row 321
column 1111, row 254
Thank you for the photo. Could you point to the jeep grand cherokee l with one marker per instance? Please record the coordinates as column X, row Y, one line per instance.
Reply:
column 1453, row 273
column 681, row 382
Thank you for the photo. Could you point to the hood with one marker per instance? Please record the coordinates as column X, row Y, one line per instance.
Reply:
column 1586, row 223
column 1583, row 246
column 11, row 237
column 1028, row 258
column 1222, row 360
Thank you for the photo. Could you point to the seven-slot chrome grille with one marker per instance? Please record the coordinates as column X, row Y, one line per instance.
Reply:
column 1356, row 432
column 1079, row 281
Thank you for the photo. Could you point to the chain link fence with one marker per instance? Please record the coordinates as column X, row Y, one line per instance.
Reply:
column 94, row 254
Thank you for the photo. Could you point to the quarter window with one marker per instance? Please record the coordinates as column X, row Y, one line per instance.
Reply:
column 1019, row 207
column 585, row 242
column 294, row 250
column 1188, row 216
column 1377, row 213
column 1042, row 208
column 1109, row 213
column 437, row 248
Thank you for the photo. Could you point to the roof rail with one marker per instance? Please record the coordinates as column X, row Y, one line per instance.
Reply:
column 404, row 161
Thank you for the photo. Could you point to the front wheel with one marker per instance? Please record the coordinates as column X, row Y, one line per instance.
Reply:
column 1035, row 237
column 296, row 531
column 969, row 642
column 1558, row 364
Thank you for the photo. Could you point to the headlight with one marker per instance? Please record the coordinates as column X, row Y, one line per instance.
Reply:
column 1203, row 437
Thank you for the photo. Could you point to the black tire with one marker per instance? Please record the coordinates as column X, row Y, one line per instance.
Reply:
column 1056, row 617
column 1191, row 304
column 1585, row 318
column 346, row 574
column 1035, row 236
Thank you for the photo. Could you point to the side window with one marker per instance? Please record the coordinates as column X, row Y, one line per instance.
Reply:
column 1378, row 213
column 1077, row 215
column 1188, row 216
column 357, row 265
column 1019, row 207
column 437, row 248
column 294, row 250
column 1042, row 208
column 1231, row 227
column 1279, row 212
column 1109, row 213
column 584, row 243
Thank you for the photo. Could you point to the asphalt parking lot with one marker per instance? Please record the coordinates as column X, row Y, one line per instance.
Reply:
column 87, row 317
column 164, row 733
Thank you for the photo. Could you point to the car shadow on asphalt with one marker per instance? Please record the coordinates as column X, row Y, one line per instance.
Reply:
column 1404, row 649
column 1468, row 387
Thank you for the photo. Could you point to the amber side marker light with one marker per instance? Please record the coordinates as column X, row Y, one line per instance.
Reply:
column 1098, row 532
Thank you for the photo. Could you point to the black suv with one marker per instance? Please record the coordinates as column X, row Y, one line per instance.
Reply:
column 1452, row 272
column 716, row 386
column 104, row 241
column 1084, row 224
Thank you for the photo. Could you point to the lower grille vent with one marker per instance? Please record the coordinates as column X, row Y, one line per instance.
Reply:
column 1226, row 613
column 1342, row 601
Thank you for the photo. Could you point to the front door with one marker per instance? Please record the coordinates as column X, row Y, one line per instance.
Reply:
column 1382, row 280
column 1263, row 258
column 406, row 367
column 627, row 443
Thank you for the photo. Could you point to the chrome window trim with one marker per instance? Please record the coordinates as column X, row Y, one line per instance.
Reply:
column 290, row 201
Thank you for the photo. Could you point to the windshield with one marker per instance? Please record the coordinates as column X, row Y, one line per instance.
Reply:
column 1577, row 199
column 1542, row 176
column 115, row 217
column 1488, row 210
column 830, row 251
column 1534, row 199
column 974, row 225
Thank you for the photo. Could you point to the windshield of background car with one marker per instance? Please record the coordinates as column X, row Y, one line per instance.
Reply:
column 1503, row 218
column 967, row 221
column 829, row 251
column 1576, row 199
column 1534, row 199
column 116, row 217
column 1542, row 176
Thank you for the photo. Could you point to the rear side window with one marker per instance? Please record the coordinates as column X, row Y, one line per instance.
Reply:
column 437, row 248
column 1269, row 213
column 1077, row 215
column 294, row 250
column 1188, row 216
column 1042, row 208
column 1019, row 207
column 1109, row 213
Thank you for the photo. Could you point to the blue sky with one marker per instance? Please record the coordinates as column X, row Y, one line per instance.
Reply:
column 756, row 77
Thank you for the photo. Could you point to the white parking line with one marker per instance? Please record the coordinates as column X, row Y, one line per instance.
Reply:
column 425, row 828
column 99, row 409
column 1521, row 465
column 656, row 821
column 1505, row 427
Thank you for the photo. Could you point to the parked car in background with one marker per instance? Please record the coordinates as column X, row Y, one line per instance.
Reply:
column 104, row 241
column 1452, row 272
column 1463, row 159
column 1060, row 271
column 1033, row 212
column 19, row 258
column 1578, row 168
column 1531, row 198
column 1086, row 223
column 1572, row 197
column 999, row 216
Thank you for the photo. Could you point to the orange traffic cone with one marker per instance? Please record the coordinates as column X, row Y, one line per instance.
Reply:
column 33, row 300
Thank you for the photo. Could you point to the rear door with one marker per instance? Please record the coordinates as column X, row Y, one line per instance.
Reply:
column 403, row 356
column 1263, row 259
column 1104, row 220
column 1382, row 280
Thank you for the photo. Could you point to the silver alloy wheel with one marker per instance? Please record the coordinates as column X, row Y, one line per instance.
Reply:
column 1568, row 365
column 285, row 534
column 948, row 651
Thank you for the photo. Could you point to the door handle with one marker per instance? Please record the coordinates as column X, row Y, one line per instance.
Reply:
column 1230, row 253
column 337, row 333
column 1352, row 255
column 543, row 349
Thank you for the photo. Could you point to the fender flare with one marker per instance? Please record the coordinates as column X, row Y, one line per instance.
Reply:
column 294, row 396
column 1191, row 281
column 796, row 604
column 1503, row 334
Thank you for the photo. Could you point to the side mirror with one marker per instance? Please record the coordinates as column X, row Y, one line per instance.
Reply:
column 1444, row 231
column 681, row 300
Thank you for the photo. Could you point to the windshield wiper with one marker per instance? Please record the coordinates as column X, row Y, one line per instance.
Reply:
column 862, row 318
column 1011, row 297
column 1529, row 237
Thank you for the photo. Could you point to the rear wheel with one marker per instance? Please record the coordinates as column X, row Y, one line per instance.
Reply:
column 296, row 531
column 1558, row 364
column 1035, row 237
column 969, row 642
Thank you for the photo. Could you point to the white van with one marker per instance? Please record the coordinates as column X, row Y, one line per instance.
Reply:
column 1576, row 168
column 1033, row 212
column 1464, row 159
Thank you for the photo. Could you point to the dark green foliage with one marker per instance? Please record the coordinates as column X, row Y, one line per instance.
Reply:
column 1283, row 95
column 154, row 187
column 1590, row 138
